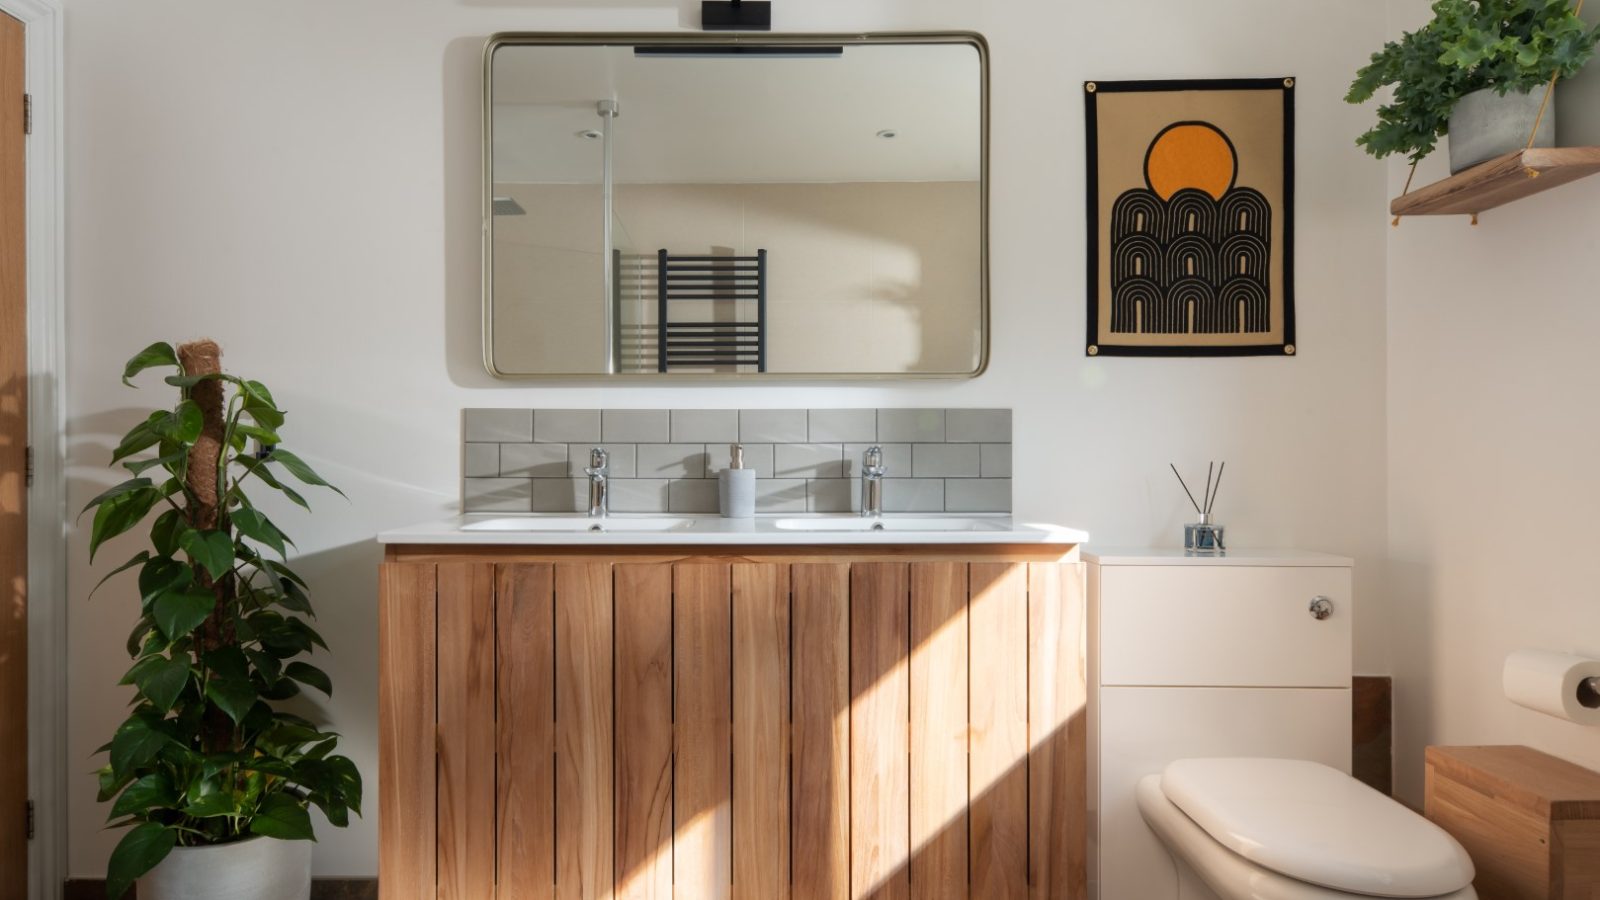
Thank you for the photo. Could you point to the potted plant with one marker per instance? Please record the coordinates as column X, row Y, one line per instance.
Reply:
column 1476, row 72
column 212, row 781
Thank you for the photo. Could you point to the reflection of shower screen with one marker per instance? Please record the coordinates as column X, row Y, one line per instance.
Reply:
column 711, row 313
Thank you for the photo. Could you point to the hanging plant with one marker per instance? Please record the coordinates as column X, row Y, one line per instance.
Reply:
column 204, row 757
column 1508, row 46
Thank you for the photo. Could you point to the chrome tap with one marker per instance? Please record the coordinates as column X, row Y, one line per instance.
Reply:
column 872, row 472
column 599, row 500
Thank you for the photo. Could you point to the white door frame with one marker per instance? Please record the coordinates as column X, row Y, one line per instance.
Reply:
column 48, row 765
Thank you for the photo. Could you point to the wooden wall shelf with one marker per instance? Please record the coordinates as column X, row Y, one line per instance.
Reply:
column 1499, row 181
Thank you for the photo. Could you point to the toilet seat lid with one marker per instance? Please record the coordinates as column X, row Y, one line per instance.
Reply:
column 1318, row 825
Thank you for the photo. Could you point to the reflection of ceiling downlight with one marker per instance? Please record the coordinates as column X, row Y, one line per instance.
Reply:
column 888, row 134
column 592, row 134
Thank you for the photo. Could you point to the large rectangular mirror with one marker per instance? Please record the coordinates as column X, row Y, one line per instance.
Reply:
column 755, row 207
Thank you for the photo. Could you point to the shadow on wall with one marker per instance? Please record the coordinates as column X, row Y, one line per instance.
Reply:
column 1408, row 585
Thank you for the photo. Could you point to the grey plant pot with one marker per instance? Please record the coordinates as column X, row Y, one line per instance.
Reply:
column 259, row 868
column 1485, row 125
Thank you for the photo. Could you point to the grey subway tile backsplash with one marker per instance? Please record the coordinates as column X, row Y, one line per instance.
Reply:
column 911, row 425
column 636, row 426
column 975, row 426
column 497, row 425
column 672, row 460
column 772, row 426
column 841, row 426
column 497, row 495
column 937, row 460
column 830, row 495
column 480, row 460
column 910, row 495
column 692, row 496
column 808, row 460
column 566, row 426
column 775, row 495
column 705, row 426
column 533, row 460
column 978, row 494
column 945, row 460
column 996, row 461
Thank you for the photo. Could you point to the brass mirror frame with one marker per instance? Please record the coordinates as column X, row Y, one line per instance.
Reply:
column 648, row 39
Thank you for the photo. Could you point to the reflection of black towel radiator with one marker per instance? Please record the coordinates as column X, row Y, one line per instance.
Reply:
column 684, row 344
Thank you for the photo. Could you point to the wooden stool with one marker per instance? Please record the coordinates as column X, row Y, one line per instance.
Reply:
column 1530, row 821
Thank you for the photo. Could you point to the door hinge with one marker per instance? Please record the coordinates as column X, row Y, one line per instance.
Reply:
column 30, row 820
column 27, row 114
column 27, row 466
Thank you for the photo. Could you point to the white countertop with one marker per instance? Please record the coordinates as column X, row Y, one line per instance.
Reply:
column 1176, row 556
column 500, row 529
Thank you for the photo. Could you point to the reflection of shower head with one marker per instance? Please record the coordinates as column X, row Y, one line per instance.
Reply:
column 506, row 206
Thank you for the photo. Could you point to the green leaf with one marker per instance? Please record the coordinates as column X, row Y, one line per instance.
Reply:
column 233, row 696
column 190, row 420
column 211, row 549
column 228, row 662
column 177, row 613
column 189, row 381
column 283, row 817
column 139, row 851
column 252, row 524
column 166, row 531
column 163, row 575
column 157, row 354
column 136, row 742
column 132, row 484
column 269, row 667
column 211, row 805
column 154, row 789
column 298, row 468
column 120, row 513
column 141, row 437
column 305, row 673
column 110, row 783
column 139, row 466
column 259, row 469
column 163, row 681
column 140, row 557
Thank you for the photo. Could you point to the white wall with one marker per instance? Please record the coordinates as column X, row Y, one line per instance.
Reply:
column 1493, row 443
column 298, row 179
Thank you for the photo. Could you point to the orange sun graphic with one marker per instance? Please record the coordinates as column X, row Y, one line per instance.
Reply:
column 1190, row 155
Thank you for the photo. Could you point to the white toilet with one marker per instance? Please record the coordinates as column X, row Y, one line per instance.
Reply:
column 1283, row 829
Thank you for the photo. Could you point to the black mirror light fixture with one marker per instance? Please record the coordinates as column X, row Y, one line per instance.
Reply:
column 735, row 15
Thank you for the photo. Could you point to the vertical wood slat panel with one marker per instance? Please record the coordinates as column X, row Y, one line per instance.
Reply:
column 466, row 731
column 1057, row 699
column 407, row 823
column 760, row 732
column 998, row 623
column 644, row 731
column 821, row 825
column 880, row 813
column 938, row 731
column 584, row 735
column 525, row 639
column 702, row 827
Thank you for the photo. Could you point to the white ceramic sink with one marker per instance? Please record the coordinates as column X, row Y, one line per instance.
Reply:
column 798, row 529
column 890, row 524
column 607, row 525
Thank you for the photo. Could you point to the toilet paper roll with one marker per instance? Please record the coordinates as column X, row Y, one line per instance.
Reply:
column 1556, row 684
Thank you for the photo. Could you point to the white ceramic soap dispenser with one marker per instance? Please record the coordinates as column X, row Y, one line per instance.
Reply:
column 736, row 486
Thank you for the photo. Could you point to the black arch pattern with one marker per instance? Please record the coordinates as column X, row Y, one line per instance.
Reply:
column 1191, row 264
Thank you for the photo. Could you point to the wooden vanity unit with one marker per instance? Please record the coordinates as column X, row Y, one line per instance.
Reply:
column 701, row 722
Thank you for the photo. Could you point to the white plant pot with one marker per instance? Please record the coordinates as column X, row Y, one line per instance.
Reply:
column 258, row 868
column 1485, row 125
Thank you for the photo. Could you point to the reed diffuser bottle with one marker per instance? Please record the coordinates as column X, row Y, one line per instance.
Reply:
column 1203, row 536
